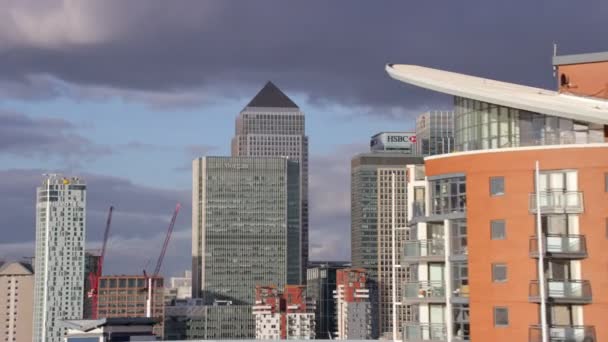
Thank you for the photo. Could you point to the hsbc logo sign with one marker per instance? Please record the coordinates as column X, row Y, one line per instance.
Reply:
column 401, row 139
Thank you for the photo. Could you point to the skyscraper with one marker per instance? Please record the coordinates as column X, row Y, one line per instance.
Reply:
column 17, row 293
column 371, row 223
column 272, row 125
column 245, row 228
column 60, row 241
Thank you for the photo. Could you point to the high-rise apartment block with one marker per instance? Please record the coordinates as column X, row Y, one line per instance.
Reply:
column 372, row 210
column 353, row 309
column 272, row 125
column 435, row 133
column 283, row 314
column 510, row 242
column 320, row 286
column 16, row 301
column 246, row 227
column 126, row 296
column 59, row 261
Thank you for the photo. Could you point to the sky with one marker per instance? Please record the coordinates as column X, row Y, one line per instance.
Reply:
column 126, row 94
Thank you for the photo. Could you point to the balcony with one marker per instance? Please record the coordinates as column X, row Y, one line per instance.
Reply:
column 419, row 332
column 564, row 333
column 563, row 291
column 558, row 202
column 424, row 250
column 424, row 292
column 559, row 246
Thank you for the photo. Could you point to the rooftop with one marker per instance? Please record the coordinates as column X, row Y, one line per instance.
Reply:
column 581, row 58
column 503, row 93
column 271, row 97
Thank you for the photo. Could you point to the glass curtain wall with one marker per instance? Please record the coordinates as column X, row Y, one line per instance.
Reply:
column 481, row 125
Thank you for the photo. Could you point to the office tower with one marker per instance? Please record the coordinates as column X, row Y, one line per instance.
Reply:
column 320, row 286
column 435, row 133
column 91, row 259
column 17, row 299
column 179, row 287
column 523, row 227
column 272, row 125
column 372, row 222
column 192, row 319
column 246, row 227
column 59, row 262
column 126, row 296
column 283, row 314
column 353, row 309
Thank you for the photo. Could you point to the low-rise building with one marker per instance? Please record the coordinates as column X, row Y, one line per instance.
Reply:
column 352, row 305
column 17, row 292
column 110, row 330
column 126, row 296
column 286, row 314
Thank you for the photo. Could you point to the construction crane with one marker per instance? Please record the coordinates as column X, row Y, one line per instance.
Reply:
column 159, row 262
column 95, row 275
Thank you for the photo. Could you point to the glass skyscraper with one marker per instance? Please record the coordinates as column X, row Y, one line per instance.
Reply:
column 272, row 125
column 435, row 133
column 246, row 227
column 60, row 241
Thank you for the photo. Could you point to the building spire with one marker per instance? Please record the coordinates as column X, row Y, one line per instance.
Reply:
column 271, row 96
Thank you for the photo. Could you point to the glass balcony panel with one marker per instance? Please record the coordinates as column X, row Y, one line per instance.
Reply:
column 564, row 246
column 421, row 249
column 565, row 291
column 415, row 332
column 558, row 201
column 424, row 290
column 564, row 333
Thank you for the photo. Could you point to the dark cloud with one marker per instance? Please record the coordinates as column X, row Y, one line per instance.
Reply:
column 333, row 51
column 44, row 138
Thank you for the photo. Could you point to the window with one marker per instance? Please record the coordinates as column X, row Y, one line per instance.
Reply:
column 501, row 317
column 499, row 273
column 497, row 186
column 606, row 182
column 497, row 230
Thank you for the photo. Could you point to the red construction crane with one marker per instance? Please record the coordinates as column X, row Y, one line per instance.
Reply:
column 95, row 275
column 161, row 257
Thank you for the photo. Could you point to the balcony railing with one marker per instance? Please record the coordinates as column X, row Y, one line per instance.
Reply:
column 563, row 291
column 560, row 246
column 424, row 291
column 565, row 333
column 557, row 202
column 418, row 332
column 417, row 250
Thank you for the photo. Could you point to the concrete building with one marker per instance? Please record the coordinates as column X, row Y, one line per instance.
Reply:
column 372, row 222
column 508, row 247
column 353, row 307
column 435, row 133
column 272, row 125
column 283, row 314
column 320, row 286
column 246, row 227
column 192, row 319
column 122, row 296
column 110, row 330
column 59, row 261
column 17, row 293
column 179, row 287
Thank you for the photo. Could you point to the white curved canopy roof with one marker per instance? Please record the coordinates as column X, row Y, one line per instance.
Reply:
column 502, row 93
